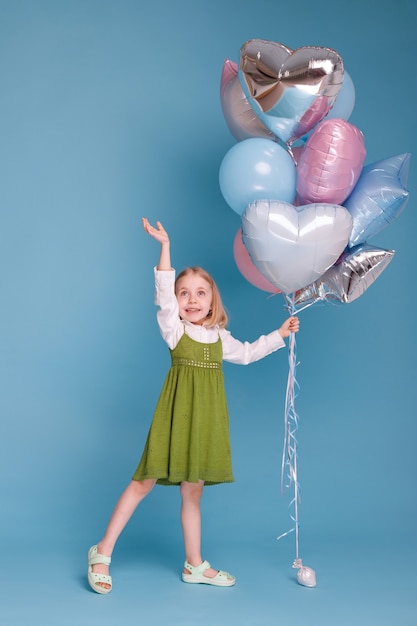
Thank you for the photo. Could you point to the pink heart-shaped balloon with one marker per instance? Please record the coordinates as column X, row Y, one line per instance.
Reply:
column 293, row 246
column 289, row 90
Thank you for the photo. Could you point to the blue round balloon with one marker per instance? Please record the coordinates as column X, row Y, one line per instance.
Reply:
column 256, row 169
column 342, row 108
column 345, row 100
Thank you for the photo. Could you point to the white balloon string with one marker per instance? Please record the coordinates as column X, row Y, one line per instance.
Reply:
column 289, row 475
column 296, row 311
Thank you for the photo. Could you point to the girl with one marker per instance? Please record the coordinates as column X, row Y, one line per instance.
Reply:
column 188, row 442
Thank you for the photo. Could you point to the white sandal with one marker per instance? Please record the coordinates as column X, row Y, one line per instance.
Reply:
column 96, row 580
column 196, row 575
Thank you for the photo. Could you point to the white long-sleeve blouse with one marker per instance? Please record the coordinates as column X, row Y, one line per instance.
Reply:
column 172, row 327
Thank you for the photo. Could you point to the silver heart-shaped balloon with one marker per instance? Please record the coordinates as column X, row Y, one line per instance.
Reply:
column 290, row 90
column 293, row 246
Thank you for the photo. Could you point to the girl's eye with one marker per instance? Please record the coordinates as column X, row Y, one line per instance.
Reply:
column 201, row 293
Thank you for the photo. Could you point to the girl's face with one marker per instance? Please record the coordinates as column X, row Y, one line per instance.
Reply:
column 194, row 296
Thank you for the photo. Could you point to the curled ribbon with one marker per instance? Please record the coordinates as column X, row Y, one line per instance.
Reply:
column 305, row 575
column 289, row 453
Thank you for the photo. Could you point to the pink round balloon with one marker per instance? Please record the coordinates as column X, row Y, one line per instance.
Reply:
column 296, row 153
column 247, row 268
column 229, row 72
column 330, row 163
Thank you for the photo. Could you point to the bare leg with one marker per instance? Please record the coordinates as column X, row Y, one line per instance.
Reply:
column 191, row 524
column 134, row 493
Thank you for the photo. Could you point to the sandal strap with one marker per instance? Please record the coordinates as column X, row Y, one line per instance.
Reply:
column 197, row 569
column 100, row 559
column 95, row 558
column 222, row 575
column 101, row 578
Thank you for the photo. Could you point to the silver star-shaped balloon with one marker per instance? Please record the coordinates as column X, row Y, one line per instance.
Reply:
column 347, row 279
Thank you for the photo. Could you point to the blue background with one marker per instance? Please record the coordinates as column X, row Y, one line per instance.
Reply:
column 110, row 110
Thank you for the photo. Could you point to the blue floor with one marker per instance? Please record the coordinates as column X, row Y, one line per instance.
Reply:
column 360, row 582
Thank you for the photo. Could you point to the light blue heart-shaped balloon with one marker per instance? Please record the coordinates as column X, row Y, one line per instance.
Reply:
column 293, row 246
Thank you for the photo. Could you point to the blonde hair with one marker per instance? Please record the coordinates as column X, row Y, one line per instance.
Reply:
column 217, row 315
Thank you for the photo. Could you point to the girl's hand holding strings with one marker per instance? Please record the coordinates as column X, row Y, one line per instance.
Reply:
column 291, row 325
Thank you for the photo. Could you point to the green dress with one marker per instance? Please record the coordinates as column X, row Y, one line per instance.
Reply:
column 189, row 436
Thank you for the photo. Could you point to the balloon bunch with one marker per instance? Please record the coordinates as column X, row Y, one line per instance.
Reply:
column 308, row 204
column 296, row 176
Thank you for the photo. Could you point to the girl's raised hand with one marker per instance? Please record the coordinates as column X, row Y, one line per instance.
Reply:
column 158, row 233
column 291, row 325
